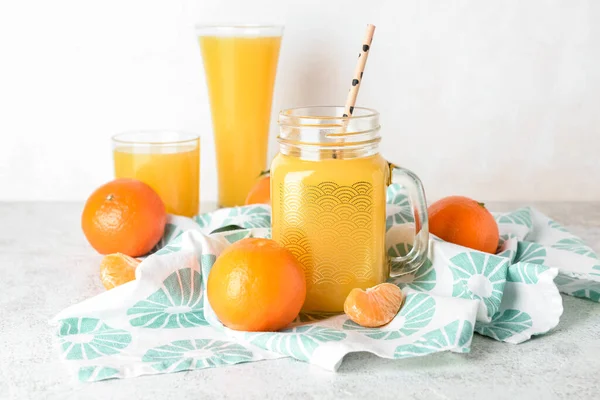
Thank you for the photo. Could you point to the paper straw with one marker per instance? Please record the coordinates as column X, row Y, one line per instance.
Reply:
column 358, row 71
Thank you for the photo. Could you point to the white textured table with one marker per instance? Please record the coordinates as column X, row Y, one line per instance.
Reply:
column 46, row 265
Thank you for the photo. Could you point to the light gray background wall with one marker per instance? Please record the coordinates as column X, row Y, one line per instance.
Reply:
column 491, row 99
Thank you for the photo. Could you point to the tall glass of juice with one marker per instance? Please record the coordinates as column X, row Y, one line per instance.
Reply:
column 240, row 64
column 169, row 162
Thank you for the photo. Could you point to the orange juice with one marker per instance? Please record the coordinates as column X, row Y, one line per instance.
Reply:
column 173, row 172
column 240, row 72
column 330, row 214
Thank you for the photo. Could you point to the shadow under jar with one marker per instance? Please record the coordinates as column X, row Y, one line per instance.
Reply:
column 328, row 191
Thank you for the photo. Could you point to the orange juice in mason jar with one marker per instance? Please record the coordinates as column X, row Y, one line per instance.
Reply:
column 328, row 188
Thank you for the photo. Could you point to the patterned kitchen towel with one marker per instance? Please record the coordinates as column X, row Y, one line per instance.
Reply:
column 162, row 322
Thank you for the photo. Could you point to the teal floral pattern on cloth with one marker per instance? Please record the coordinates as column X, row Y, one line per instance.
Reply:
column 519, row 217
column 238, row 235
column 299, row 342
column 578, row 287
column 525, row 273
column 162, row 322
column 178, row 304
column 203, row 220
column 96, row 373
column 479, row 276
column 249, row 217
column 174, row 227
column 556, row 225
column 402, row 211
column 507, row 247
column 457, row 335
column 182, row 355
column 531, row 253
column 172, row 246
column 314, row 316
column 575, row 245
column 90, row 338
column 415, row 314
column 588, row 294
column 505, row 324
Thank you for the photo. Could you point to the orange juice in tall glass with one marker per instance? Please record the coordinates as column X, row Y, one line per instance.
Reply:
column 240, row 64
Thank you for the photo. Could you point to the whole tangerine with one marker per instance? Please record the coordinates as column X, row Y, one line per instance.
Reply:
column 260, row 192
column 464, row 221
column 124, row 216
column 256, row 285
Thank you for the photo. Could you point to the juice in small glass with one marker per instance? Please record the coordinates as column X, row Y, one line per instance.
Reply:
column 240, row 64
column 328, row 192
column 167, row 161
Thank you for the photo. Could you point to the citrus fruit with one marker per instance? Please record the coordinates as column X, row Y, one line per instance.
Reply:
column 463, row 221
column 256, row 285
column 260, row 192
column 124, row 216
column 117, row 269
column 375, row 306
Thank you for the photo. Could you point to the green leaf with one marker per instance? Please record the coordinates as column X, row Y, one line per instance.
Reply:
column 227, row 228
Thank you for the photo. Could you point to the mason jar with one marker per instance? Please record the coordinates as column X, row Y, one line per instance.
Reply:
column 328, row 193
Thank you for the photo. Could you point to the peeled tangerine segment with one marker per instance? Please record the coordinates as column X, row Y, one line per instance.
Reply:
column 117, row 269
column 375, row 306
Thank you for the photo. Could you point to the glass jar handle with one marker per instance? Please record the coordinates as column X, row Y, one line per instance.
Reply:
column 416, row 196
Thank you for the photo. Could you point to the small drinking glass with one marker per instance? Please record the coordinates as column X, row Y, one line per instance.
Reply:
column 168, row 161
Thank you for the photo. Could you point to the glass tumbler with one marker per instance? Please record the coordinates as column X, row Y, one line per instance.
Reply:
column 167, row 161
